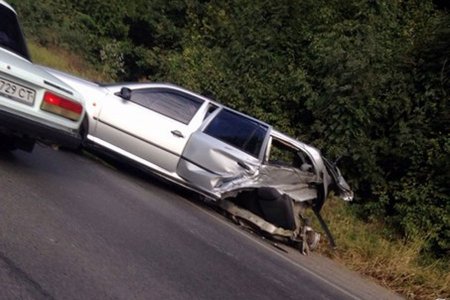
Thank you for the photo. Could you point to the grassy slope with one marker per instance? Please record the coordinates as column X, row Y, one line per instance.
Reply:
column 65, row 61
column 394, row 263
column 362, row 247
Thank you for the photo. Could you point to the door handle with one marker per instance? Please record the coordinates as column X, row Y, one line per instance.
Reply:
column 243, row 165
column 177, row 133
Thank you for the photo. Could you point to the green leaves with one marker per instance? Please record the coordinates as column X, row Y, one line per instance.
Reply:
column 366, row 80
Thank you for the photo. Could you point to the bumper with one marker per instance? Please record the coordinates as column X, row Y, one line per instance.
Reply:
column 23, row 127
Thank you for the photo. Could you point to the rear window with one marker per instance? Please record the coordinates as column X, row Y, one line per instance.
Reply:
column 177, row 106
column 11, row 37
column 239, row 131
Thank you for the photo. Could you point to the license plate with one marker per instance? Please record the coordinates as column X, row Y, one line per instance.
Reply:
column 16, row 91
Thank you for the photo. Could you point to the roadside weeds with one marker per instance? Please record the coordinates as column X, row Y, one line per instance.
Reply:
column 392, row 262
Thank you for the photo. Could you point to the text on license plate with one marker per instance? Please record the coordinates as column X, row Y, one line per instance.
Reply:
column 16, row 91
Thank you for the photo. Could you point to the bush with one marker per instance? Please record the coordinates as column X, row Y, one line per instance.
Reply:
column 364, row 80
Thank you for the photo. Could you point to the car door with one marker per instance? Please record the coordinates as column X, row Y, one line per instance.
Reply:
column 225, row 149
column 151, row 127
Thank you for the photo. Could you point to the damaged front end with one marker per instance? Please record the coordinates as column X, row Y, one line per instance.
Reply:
column 262, row 178
column 274, row 197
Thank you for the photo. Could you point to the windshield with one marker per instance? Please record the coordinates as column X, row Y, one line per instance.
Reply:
column 11, row 37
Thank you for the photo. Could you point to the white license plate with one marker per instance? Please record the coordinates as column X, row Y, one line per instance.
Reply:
column 16, row 91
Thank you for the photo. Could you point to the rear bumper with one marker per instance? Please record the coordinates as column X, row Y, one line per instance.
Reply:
column 23, row 127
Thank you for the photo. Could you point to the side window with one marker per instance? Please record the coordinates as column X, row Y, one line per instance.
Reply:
column 177, row 106
column 283, row 154
column 238, row 131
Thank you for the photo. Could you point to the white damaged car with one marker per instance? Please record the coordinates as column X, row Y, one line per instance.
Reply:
column 34, row 105
column 259, row 176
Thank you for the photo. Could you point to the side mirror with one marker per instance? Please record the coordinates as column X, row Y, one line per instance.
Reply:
column 125, row 93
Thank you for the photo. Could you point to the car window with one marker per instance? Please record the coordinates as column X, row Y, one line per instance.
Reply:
column 11, row 36
column 177, row 106
column 283, row 154
column 239, row 131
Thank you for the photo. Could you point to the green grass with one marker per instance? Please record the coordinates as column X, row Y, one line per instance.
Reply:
column 392, row 261
column 363, row 247
column 63, row 60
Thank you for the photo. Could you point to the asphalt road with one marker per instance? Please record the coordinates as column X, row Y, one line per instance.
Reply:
column 72, row 227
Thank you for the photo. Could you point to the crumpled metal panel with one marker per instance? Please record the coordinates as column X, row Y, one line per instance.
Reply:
column 230, row 176
column 298, row 185
column 236, row 211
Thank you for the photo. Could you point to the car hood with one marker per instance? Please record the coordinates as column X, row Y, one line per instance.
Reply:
column 19, row 67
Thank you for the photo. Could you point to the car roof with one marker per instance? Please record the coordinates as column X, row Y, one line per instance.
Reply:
column 143, row 85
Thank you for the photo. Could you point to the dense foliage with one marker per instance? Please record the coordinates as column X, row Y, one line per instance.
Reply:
column 365, row 80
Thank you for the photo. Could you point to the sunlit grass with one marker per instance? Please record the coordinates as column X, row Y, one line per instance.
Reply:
column 63, row 60
column 393, row 262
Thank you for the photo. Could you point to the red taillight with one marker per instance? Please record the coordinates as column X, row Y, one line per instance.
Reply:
column 61, row 106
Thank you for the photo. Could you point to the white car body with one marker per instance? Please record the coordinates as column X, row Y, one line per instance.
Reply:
column 24, row 115
column 249, row 169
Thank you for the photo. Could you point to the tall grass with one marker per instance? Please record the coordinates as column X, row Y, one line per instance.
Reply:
column 64, row 60
column 394, row 262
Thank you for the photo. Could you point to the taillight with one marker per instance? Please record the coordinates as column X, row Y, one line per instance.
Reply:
column 61, row 106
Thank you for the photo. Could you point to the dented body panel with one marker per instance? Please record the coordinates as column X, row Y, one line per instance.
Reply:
column 256, row 174
column 224, row 171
